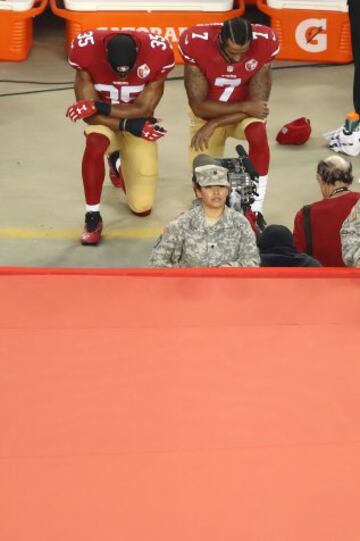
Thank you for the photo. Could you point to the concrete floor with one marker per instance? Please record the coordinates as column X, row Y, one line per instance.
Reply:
column 42, row 198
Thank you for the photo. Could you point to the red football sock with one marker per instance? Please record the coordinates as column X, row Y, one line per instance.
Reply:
column 93, row 168
column 259, row 152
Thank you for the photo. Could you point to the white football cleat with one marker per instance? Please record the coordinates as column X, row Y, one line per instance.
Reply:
column 329, row 135
column 346, row 143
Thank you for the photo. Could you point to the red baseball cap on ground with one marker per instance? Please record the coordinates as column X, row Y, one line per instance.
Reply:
column 296, row 132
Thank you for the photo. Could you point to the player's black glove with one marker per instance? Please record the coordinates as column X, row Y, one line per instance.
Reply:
column 146, row 128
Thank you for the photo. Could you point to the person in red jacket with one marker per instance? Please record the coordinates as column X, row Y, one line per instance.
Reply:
column 317, row 226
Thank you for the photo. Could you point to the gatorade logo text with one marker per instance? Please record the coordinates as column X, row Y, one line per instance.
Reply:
column 311, row 35
column 171, row 33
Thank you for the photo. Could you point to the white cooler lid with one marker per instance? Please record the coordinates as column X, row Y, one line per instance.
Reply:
column 148, row 5
column 16, row 5
column 311, row 5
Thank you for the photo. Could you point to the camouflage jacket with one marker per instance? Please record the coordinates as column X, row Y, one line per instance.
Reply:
column 188, row 241
column 350, row 238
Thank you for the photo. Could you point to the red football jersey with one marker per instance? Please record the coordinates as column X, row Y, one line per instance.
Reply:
column 154, row 61
column 199, row 46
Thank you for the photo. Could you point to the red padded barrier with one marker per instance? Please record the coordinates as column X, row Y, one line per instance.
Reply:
column 319, row 272
column 154, row 405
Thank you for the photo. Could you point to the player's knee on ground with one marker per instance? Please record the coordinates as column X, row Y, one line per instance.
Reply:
column 141, row 207
column 141, row 200
column 142, row 214
column 141, row 191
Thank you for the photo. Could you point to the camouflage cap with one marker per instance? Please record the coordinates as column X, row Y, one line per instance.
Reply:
column 211, row 175
column 208, row 171
column 204, row 159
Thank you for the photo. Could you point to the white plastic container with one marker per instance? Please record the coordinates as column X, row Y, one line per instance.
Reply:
column 16, row 5
column 310, row 5
column 148, row 5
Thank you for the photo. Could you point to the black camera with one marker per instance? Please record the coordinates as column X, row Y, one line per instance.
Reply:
column 243, row 179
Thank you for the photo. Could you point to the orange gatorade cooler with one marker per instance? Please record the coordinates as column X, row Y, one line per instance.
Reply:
column 310, row 30
column 16, row 27
column 166, row 17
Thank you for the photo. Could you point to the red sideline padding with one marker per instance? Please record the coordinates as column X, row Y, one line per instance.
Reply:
column 226, row 272
column 184, row 407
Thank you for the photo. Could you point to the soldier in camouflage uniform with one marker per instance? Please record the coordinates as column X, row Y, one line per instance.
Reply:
column 210, row 234
column 350, row 238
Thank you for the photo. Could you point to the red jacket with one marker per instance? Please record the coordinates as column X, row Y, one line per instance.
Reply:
column 327, row 217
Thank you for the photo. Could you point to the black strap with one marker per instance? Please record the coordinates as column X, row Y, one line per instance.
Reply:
column 307, row 229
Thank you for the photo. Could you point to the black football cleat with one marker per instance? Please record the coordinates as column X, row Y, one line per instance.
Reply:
column 92, row 229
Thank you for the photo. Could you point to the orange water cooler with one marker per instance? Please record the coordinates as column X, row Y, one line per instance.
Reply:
column 16, row 25
column 167, row 17
column 310, row 30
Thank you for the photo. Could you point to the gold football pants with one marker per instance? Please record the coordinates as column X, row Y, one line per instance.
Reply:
column 216, row 144
column 139, row 163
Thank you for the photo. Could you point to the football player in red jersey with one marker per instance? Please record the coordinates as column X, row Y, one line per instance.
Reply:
column 228, row 82
column 119, row 82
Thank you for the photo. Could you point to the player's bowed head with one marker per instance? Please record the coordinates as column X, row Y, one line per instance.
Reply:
column 235, row 38
column 121, row 54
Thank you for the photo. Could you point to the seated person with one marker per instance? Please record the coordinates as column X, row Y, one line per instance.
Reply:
column 317, row 226
column 210, row 234
column 350, row 238
column 276, row 245
column 240, row 197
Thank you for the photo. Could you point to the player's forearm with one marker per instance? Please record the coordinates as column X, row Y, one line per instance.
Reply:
column 100, row 120
column 226, row 120
column 210, row 109
column 130, row 110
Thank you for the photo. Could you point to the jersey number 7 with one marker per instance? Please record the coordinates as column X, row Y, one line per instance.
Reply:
column 229, row 87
